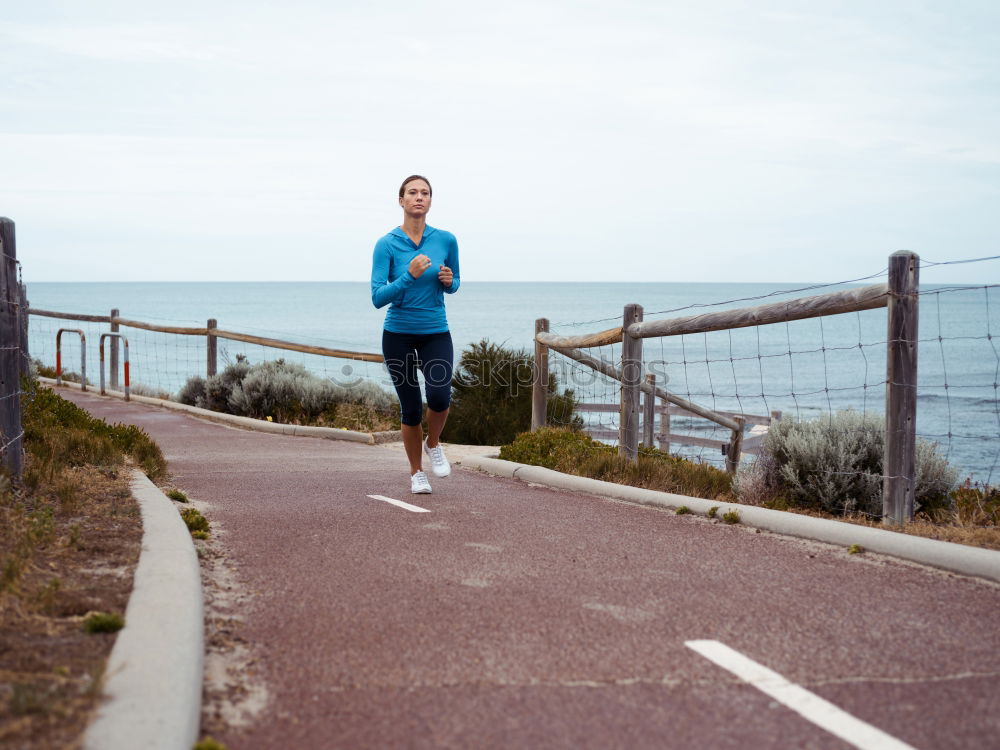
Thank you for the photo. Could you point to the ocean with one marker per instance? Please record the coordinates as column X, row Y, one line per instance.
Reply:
column 803, row 369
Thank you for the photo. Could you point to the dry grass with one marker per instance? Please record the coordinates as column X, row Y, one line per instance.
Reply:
column 974, row 519
column 952, row 529
column 69, row 549
column 577, row 453
column 70, row 535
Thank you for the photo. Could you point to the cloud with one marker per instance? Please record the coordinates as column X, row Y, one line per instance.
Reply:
column 122, row 43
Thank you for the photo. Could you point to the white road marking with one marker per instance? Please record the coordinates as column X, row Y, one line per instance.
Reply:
column 809, row 705
column 400, row 503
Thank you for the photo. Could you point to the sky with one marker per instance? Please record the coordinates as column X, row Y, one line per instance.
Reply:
column 719, row 140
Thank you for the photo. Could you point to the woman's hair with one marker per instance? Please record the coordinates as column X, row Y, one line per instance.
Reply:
column 411, row 178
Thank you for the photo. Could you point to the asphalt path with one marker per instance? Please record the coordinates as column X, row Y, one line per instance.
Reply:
column 519, row 616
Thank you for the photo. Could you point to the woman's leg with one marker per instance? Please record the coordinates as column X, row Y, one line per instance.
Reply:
column 435, row 425
column 400, row 360
column 413, row 439
column 437, row 356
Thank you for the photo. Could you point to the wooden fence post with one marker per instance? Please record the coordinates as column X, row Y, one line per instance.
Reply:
column 649, row 412
column 628, row 426
column 735, row 447
column 901, row 389
column 212, row 346
column 23, row 316
column 540, row 383
column 113, row 355
column 11, row 444
column 663, row 443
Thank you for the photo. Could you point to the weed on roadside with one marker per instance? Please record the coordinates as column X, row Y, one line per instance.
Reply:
column 196, row 522
column 178, row 496
column 103, row 622
column 209, row 744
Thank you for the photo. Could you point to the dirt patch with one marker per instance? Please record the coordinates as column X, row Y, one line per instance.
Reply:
column 68, row 549
column 235, row 693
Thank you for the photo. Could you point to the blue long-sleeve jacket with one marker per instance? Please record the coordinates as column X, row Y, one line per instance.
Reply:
column 417, row 305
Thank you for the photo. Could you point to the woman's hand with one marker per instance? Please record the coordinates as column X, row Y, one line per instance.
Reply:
column 418, row 265
column 445, row 276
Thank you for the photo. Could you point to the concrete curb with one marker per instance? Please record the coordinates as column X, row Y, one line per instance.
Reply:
column 957, row 558
column 247, row 423
column 154, row 674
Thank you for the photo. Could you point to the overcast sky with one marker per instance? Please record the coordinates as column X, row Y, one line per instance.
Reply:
column 659, row 141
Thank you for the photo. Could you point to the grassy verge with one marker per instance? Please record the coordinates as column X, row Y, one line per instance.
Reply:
column 577, row 453
column 70, row 535
column 973, row 519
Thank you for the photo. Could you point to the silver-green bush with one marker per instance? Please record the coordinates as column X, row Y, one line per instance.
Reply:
column 284, row 391
column 835, row 464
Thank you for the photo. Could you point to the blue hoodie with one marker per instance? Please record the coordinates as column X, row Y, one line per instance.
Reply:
column 417, row 304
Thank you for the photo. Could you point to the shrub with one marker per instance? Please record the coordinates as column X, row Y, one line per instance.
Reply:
column 835, row 465
column 219, row 388
column 491, row 397
column 59, row 433
column 192, row 391
column 37, row 368
column 977, row 506
column 287, row 392
column 152, row 391
column 577, row 453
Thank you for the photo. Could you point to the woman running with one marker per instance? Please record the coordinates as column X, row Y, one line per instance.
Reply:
column 413, row 267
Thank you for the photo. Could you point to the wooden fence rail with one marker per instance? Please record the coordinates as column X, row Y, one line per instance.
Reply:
column 899, row 296
column 663, row 437
column 211, row 332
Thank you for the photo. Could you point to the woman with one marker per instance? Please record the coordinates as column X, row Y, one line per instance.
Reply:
column 413, row 267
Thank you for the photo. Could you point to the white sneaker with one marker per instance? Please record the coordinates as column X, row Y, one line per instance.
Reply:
column 419, row 484
column 439, row 464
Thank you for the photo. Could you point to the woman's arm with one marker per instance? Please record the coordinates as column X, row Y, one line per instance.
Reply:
column 453, row 265
column 384, row 292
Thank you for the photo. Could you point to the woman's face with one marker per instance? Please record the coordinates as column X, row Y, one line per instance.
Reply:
column 416, row 200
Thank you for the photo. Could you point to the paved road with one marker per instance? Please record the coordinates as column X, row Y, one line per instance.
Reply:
column 518, row 616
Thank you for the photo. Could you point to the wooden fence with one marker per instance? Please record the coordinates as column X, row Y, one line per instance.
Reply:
column 899, row 296
column 211, row 332
column 13, row 347
column 662, row 438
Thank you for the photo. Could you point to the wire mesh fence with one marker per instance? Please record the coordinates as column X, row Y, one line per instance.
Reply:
column 818, row 370
column 162, row 363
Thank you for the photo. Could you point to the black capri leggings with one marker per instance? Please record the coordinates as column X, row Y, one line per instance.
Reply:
column 432, row 353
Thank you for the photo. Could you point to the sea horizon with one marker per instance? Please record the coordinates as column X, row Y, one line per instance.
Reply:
column 805, row 368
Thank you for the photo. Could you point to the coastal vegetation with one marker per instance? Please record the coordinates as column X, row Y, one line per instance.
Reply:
column 491, row 397
column 829, row 468
column 286, row 392
column 70, row 536
column 834, row 465
column 575, row 452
